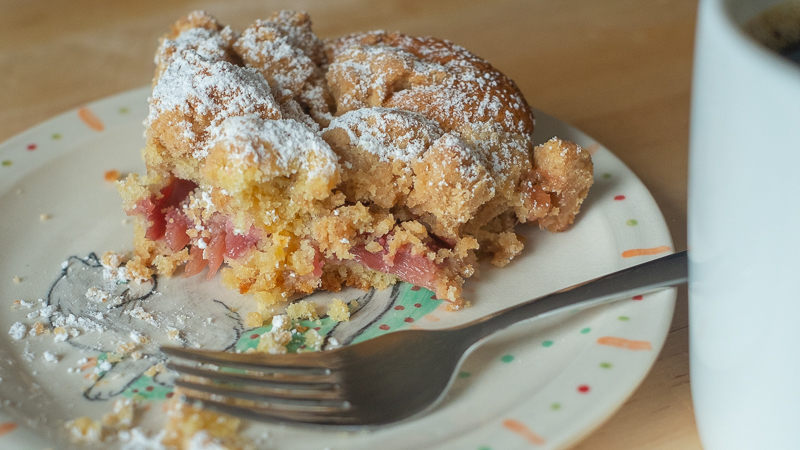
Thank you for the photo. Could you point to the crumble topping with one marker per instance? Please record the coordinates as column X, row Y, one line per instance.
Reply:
column 290, row 163
column 388, row 133
column 195, row 94
column 278, row 148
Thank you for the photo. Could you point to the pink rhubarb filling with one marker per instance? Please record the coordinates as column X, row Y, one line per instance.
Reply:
column 416, row 269
column 167, row 221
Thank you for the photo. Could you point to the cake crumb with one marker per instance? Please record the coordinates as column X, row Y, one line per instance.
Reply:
column 139, row 338
column 111, row 259
column 84, row 430
column 17, row 280
column 302, row 310
column 103, row 366
column 21, row 303
column 274, row 343
column 97, row 295
column 125, row 348
column 253, row 319
column 37, row 329
column 338, row 310
column 281, row 322
column 60, row 334
column 139, row 313
column 314, row 340
column 50, row 356
column 189, row 426
column 27, row 353
column 154, row 370
column 121, row 418
column 18, row 331
column 174, row 334
column 44, row 217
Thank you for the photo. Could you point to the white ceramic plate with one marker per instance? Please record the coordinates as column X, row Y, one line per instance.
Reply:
column 544, row 384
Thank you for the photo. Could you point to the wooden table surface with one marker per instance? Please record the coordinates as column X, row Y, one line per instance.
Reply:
column 620, row 70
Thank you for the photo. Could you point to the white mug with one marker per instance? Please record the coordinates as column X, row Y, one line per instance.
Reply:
column 744, row 235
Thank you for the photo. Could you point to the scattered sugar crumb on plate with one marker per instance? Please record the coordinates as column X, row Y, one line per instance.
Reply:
column 18, row 331
column 111, row 175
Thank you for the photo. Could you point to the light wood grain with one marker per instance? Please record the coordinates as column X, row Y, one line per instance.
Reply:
column 618, row 69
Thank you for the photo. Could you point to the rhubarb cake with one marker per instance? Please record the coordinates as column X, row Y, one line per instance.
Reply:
column 289, row 163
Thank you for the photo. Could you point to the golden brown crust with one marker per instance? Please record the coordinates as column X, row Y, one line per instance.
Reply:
column 197, row 32
column 559, row 183
column 443, row 81
column 289, row 55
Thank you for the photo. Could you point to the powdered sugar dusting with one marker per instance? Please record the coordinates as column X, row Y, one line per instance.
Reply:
column 278, row 147
column 443, row 81
column 388, row 133
column 290, row 56
column 210, row 92
column 18, row 331
column 210, row 44
column 284, row 64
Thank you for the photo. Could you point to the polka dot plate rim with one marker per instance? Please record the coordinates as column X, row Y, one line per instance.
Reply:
column 544, row 384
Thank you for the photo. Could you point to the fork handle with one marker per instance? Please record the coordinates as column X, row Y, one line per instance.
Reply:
column 670, row 270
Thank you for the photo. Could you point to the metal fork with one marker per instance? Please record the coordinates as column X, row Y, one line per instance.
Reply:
column 387, row 378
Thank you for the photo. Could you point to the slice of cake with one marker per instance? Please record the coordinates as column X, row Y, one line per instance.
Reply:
column 291, row 164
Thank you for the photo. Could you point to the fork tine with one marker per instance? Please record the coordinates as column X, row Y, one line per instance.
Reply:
column 268, row 413
column 283, row 397
column 308, row 363
column 314, row 384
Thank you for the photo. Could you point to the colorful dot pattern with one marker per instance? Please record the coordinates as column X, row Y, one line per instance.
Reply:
column 523, row 431
column 646, row 251
column 145, row 388
column 627, row 344
column 610, row 341
column 413, row 306
column 90, row 119
column 7, row 427
column 417, row 303
column 85, row 114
